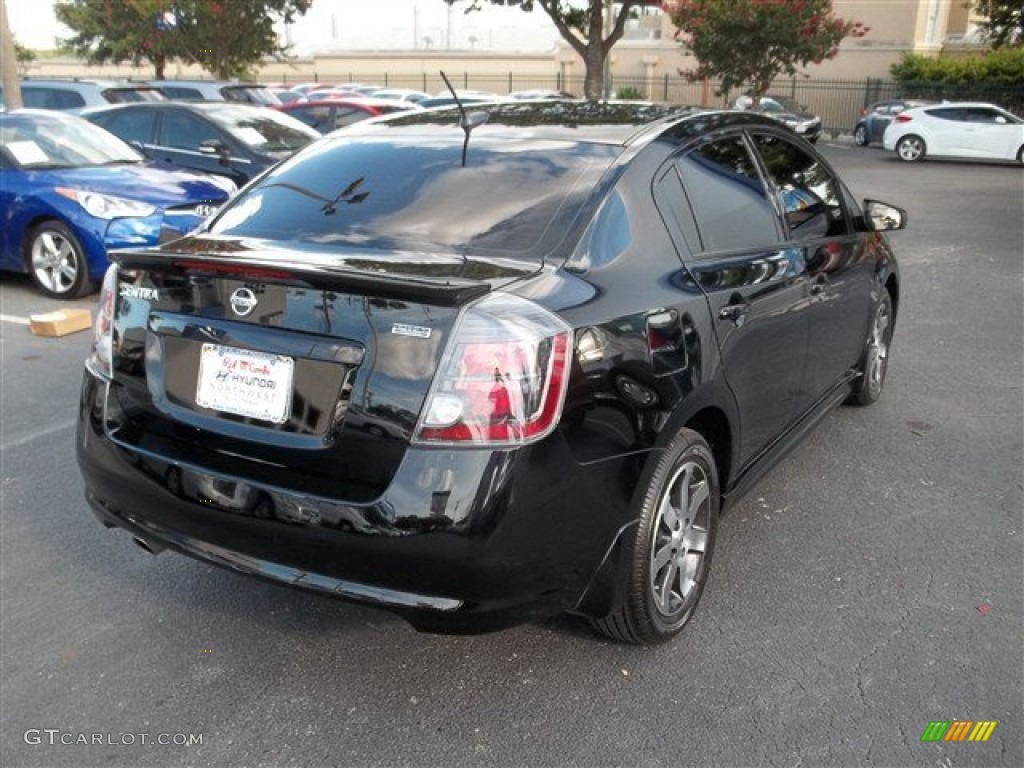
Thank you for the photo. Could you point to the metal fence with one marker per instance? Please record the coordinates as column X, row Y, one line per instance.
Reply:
column 838, row 102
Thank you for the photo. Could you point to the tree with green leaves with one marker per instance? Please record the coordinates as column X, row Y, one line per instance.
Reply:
column 590, row 27
column 226, row 37
column 118, row 31
column 752, row 42
column 1004, row 21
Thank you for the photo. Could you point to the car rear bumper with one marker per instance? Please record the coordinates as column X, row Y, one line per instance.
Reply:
column 462, row 541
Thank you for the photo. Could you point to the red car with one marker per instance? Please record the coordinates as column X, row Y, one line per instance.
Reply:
column 326, row 115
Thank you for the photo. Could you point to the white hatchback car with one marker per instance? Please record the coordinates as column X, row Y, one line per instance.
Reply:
column 956, row 129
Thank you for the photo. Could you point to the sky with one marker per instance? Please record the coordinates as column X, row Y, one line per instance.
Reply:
column 356, row 24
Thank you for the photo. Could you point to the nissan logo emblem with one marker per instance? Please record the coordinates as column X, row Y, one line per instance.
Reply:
column 243, row 301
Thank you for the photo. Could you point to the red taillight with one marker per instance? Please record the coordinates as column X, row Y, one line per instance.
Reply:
column 103, row 328
column 502, row 378
column 903, row 118
column 232, row 270
column 863, row 111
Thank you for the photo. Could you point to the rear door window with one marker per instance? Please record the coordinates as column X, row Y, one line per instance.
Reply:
column 131, row 125
column 728, row 197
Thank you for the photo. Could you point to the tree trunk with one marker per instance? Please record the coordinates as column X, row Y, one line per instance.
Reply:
column 593, row 82
column 159, row 63
column 8, row 62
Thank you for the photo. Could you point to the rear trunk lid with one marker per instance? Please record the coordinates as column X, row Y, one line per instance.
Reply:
column 307, row 371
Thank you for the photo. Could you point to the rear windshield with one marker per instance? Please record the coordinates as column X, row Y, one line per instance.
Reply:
column 515, row 198
column 262, row 129
column 249, row 94
column 125, row 95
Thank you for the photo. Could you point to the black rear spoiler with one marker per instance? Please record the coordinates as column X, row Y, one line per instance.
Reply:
column 445, row 292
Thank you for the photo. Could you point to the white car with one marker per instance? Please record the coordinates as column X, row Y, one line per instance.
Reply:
column 972, row 130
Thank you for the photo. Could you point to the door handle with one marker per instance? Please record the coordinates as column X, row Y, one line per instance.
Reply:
column 735, row 312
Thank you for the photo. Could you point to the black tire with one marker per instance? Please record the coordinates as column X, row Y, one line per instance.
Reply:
column 1020, row 156
column 867, row 387
column 56, row 261
column 911, row 149
column 661, row 597
column 860, row 136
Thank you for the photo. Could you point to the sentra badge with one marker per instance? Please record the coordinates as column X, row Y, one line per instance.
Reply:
column 129, row 291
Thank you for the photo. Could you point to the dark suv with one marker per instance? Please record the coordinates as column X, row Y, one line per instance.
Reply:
column 482, row 375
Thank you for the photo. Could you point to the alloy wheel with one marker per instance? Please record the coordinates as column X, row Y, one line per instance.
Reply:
column 680, row 537
column 878, row 348
column 55, row 261
column 910, row 148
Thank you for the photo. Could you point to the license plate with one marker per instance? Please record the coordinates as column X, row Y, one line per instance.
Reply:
column 245, row 383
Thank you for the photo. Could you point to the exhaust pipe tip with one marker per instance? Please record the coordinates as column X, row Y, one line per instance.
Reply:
column 148, row 546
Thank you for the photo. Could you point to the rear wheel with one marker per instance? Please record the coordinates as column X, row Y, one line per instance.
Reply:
column 1020, row 156
column 868, row 386
column 56, row 261
column 860, row 136
column 671, row 554
column 910, row 148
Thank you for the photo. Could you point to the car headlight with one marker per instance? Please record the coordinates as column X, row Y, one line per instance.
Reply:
column 107, row 206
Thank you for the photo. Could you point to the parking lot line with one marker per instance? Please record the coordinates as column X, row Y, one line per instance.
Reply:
column 14, row 319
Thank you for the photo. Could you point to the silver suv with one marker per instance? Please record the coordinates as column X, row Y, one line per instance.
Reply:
column 75, row 95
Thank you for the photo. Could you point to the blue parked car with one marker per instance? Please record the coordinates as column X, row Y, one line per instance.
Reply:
column 70, row 191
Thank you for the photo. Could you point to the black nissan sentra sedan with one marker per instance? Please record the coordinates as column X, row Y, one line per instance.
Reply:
column 484, row 369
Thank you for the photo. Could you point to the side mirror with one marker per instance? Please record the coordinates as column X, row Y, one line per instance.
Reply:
column 884, row 217
column 1000, row 120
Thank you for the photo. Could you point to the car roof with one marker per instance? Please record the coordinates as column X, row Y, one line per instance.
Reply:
column 217, row 83
column 192, row 106
column 90, row 83
column 621, row 124
column 959, row 105
column 339, row 101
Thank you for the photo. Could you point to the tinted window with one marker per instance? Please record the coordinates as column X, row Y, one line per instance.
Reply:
column 512, row 198
column 264, row 130
column 131, row 126
column 128, row 95
column 728, row 198
column 985, row 115
column 51, row 98
column 675, row 210
column 949, row 113
column 249, row 94
column 178, row 92
column 317, row 118
column 348, row 115
column 186, row 131
column 807, row 191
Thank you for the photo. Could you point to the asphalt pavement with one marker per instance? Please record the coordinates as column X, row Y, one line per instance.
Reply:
column 870, row 585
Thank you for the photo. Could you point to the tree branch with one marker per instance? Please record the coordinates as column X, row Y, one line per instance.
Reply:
column 551, row 8
column 620, row 24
